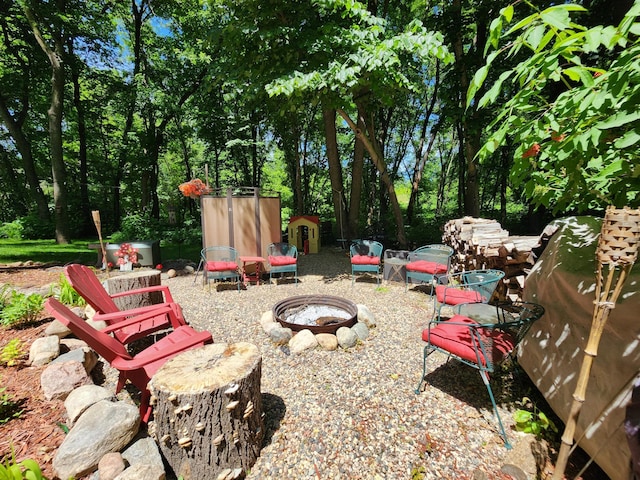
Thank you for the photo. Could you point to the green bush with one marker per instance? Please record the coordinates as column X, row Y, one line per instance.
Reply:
column 137, row 227
column 21, row 308
column 27, row 469
column 12, row 230
column 35, row 229
column 65, row 293
column 11, row 352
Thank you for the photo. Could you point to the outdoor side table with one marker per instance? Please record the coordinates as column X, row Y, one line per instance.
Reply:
column 249, row 273
column 395, row 262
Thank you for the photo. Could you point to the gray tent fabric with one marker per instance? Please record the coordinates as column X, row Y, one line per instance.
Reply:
column 632, row 429
column 563, row 282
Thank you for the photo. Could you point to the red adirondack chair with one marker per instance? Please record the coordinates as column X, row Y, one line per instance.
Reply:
column 137, row 369
column 87, row 284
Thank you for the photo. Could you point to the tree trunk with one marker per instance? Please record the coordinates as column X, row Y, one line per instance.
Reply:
column 24, row 147
column 55, row 123
column 378, row 161
column 208, row 411
column 132, row 281
column 87, row 223
column 335, row 171
column 357, row 175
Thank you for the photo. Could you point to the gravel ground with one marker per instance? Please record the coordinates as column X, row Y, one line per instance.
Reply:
column 353, row 414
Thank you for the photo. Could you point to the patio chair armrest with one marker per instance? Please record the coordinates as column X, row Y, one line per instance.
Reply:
column 168, row 298
column 158, row 308
column 125, row 322
column 198, row 338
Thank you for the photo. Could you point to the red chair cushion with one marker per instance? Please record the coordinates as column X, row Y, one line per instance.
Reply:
column 280, row 260
column 424, row 266
column 454, row 336
column 221, row 266
column 365, row 260
column 455, row 296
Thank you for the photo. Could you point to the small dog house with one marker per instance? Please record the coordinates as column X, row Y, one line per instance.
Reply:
column 304, row 233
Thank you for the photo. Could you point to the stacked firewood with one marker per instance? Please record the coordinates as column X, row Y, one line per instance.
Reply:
column 480, row 243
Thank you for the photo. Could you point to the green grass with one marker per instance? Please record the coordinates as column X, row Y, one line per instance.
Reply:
column 48, row 252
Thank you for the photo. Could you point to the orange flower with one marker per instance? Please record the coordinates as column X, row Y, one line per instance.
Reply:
column 532, row 152
column 194, row 188
column 558, row 137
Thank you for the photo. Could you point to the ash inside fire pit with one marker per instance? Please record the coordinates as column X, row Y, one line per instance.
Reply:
column 318, row 313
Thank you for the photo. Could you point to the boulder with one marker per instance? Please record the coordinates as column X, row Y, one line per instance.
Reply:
column 103, row 428
column 82, row 398
column 303, row 340
column 58, row 380
column 43, row 350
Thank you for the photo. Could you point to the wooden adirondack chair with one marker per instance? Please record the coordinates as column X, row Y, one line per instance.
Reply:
column 137, row 369
column 166, row 315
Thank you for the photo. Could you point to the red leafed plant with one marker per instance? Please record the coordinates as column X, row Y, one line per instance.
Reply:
column 194, row 188
column 126, row 249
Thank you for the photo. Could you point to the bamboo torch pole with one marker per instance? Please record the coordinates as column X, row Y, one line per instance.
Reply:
column 617, row 250
column 96, row 220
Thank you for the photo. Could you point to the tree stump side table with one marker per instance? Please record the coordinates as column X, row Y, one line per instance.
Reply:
column 131, row 281
column 208, row 411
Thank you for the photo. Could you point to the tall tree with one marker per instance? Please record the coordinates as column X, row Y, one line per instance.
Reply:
column 55, row 54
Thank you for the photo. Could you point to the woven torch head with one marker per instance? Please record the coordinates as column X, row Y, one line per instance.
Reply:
column 619, row 237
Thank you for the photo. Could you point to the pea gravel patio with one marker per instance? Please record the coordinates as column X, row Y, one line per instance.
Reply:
column 353, row 414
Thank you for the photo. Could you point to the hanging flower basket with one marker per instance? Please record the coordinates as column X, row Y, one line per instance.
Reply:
column 194, row 188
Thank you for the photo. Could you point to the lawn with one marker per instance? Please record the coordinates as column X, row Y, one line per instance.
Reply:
column 48, row 252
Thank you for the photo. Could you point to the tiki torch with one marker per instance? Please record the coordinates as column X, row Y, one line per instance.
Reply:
column 96, row 220
column 616, row 253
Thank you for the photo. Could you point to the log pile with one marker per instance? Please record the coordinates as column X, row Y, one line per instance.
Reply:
column 480, row 243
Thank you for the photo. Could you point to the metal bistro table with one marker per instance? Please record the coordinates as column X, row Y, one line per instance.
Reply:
column 248, row 273
column 395, row 262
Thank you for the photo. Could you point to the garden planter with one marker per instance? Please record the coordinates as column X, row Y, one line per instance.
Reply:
column 148, row 252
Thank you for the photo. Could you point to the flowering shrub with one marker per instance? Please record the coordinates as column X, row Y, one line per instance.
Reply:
column 194, row 188
column 126, row 249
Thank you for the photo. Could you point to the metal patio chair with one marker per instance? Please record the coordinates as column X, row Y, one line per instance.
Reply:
column 481, row 336
column 365, row 256
column 282, row 258
column 219, row 263
column 427, row 263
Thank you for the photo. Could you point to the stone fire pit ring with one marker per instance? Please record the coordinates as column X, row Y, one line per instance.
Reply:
column 284, row 309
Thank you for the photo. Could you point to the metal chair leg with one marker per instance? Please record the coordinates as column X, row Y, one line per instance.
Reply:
column 503, row 434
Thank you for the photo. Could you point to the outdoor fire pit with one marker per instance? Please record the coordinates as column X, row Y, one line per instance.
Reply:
column 318, row 313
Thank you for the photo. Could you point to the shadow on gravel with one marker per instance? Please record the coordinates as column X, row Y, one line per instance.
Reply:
column 274, row 410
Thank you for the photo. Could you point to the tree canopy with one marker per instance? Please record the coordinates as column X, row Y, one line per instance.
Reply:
column 371, row 115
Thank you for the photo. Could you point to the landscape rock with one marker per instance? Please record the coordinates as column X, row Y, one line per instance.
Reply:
column 303, row 340
column 144, row 452
column 82, row 398
column 171, row 273
column 365, row 315
column 142, row 472
column 280, row 335
column 43, row 350
column 346, row 337
column 58, row 329
column 84, row 355
column 361, row 330
column 327, row 341
column 58, row 380
column 92, row 437
column 68, row 344
column 110, row 466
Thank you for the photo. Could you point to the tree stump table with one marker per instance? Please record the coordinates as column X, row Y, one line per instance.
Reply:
column 208, row 411
column 131, row 281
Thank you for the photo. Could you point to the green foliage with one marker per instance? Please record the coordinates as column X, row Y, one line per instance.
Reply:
column 137, row 227
column 65, row 293
column 34, row 228
column 576, row 149
column 21, row 308
column 27, row 469
column 9, row 409
column 532, row 420
column 12, row 230
column 12, row 351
